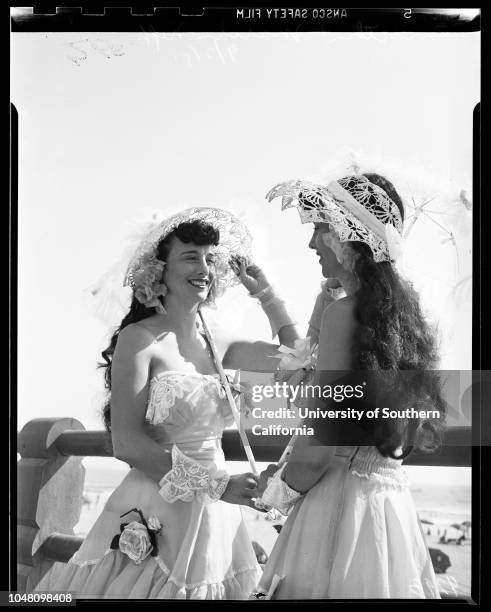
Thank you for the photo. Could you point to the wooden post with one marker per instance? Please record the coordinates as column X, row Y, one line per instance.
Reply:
column 49, row 494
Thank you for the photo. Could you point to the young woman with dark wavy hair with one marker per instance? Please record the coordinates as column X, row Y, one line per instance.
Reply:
column 352, row 529
column 173, row 528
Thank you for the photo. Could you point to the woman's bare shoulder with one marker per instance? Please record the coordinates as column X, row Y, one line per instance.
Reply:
column 135, row 337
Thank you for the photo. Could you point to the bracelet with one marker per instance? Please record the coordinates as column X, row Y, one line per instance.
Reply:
column 261, row 293
column 271, row 300
column 189, row 480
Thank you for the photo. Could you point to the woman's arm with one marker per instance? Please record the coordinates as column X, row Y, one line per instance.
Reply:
column 310, row 459
column 307, row 464
column 130, row 378
column 257, row 356
column 130, row 374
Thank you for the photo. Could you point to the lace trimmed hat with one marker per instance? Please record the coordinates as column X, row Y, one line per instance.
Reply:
column 138, row 272
column 235, row 241
column 356, row 209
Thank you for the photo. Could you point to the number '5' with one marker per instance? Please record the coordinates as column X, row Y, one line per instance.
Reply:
column 408, row 13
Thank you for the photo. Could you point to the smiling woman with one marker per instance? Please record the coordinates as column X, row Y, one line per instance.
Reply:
column 189, row 257
column 166, row 410
column 190, row 251
column 195, row 265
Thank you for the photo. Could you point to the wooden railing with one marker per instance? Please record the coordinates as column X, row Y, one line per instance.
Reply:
column 51, row 480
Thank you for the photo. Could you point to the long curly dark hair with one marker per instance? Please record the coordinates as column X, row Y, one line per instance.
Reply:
column 394, row 342
column 197, row 232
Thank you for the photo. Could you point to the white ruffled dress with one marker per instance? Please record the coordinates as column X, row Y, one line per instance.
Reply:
column 355, row 534
column 204, row 551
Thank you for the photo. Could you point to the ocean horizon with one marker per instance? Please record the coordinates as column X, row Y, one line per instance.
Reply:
column 437, row 492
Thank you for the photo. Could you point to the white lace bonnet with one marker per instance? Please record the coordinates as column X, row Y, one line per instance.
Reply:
column 235, row 241
column 356, row 208
column 139, row 271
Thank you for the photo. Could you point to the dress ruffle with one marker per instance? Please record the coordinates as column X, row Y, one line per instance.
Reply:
column 116, row 576
column 203, row 550
column 353, row 535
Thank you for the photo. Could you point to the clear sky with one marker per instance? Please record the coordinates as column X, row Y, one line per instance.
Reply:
column 112, row 125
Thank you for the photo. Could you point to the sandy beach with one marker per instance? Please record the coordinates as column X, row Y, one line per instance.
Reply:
column 457, row 578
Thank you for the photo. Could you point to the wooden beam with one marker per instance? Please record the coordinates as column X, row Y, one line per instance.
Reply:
column 455, row 451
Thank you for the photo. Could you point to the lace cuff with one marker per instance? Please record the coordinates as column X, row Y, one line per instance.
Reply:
column 278, row 494
column 189, row 480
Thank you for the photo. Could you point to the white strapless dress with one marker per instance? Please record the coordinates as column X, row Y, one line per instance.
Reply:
column 355, row 534
column 204, row 548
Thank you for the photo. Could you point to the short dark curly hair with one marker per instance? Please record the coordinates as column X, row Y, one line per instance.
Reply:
column 198, row 233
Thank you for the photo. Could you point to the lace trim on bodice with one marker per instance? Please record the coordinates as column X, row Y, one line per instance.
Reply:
column 167, row 387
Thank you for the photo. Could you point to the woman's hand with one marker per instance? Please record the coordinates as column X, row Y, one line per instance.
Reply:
column 264, row 477
column 241, row 489
column 251, row 276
